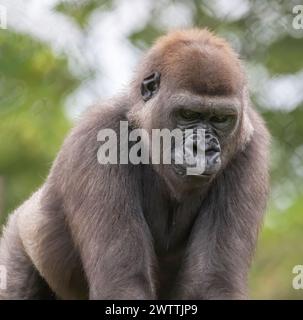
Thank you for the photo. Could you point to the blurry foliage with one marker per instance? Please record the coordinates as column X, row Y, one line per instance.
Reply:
column 285, row 48
column 145, row 37
column 80, row 11
column 34, row 84
column 279, row 250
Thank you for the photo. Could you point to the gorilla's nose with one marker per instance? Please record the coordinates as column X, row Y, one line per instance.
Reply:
column 212, row 144
column 212, row 151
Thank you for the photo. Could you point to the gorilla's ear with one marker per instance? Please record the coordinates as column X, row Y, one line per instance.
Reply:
column 150, row 85
column 247, row 126
column 248, row 130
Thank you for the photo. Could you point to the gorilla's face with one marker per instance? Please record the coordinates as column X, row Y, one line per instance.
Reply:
column 205, row 104
column 207, row 126
column 196, row 86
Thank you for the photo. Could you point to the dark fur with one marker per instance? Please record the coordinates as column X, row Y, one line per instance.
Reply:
column 127, row 231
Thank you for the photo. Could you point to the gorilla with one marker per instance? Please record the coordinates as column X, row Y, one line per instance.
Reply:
column 150, row 231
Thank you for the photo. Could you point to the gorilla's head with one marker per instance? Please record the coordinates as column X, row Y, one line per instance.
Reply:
column 191, row 81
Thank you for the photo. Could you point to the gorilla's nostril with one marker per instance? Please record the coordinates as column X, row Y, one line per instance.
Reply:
column 213, row 140
column 212, row 143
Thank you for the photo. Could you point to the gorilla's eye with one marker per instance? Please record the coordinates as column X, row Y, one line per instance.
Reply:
column 219, row 119
column 189, row 115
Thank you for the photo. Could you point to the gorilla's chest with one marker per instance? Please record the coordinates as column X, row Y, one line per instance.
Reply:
column 170, row 224
column 170, row 221
column 167, row 225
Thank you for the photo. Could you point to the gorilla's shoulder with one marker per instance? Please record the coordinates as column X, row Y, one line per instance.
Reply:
column 104, row 115
column 81, row 145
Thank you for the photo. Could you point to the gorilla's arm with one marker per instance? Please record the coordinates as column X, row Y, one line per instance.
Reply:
column 223, row 239
column 80, row 230
column 107, row 228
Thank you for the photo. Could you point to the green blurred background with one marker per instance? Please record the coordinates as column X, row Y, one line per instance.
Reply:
column 57, row 57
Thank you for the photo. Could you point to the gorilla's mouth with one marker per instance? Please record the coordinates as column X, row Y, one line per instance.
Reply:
column 212, row 166
column 204, row 159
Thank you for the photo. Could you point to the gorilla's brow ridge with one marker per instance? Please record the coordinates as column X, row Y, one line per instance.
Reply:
column 231, row 104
